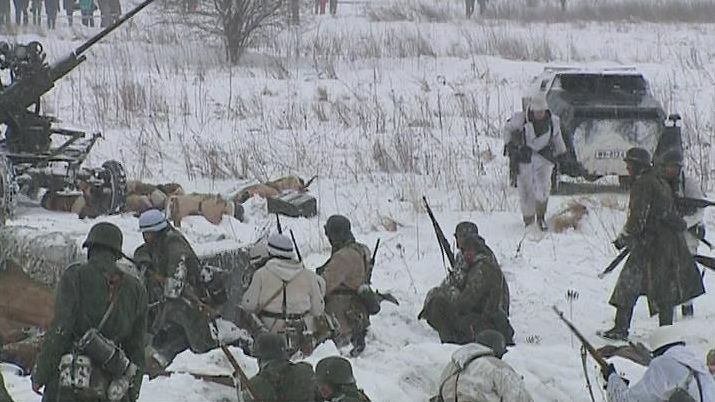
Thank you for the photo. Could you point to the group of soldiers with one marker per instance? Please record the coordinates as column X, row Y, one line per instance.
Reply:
column 110, row 327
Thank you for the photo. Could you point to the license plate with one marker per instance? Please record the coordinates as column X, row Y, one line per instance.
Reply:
column 610, row 154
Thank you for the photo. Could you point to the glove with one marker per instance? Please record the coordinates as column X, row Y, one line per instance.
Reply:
column 607, row 371
column 621, row 242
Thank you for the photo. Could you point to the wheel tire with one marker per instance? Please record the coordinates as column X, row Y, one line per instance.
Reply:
column 116, row 180
column 7, row 191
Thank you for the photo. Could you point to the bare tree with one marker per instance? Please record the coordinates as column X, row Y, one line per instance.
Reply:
column 241, row 20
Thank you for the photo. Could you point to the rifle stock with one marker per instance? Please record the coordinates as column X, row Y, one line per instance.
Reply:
column 586, row 344
column 623, row 254
column 372, row 262
column 441, row 238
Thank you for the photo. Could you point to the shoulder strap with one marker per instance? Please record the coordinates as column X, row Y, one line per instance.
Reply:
column 458, row 372
column 114, row 291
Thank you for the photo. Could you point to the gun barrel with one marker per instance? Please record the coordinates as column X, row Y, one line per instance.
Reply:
column 96, row 38
column 443, row 242
column 586, row 344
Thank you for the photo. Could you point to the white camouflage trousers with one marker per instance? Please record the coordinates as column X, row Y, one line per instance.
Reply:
column 534, row 184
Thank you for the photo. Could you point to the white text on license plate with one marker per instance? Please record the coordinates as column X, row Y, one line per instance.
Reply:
column 612, row 154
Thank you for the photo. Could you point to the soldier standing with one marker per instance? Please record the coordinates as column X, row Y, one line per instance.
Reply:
column 95, row 301
column 685, row 187
column 285, row 296
column 175, row 274
column 336, row 382
column 476, row 372
column 344, row 273
column 659, row 265
column 533, row 141
column 469, row 4
column 474, row 297
column 279, row 379
column 51, row 8
column 4, row 13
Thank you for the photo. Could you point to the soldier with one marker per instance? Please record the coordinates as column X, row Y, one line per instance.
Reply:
column 674, row 374
column 52, row 7
column 469, row 4
column 95, row 302
column 336, row 383
column 36, row 9
column 533, row 141
column 685, row 187
column 474, row 297
column 285, row 296
column 21, row 11
column 4, row 395
column 344, row 273
column 69, row 6
column 279, row 379
column 179, row 322
column 4, row 13
column 477, row 372
column 660, row 265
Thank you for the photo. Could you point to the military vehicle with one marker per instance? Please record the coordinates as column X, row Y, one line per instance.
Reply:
column 603, row 113
column 35, row 154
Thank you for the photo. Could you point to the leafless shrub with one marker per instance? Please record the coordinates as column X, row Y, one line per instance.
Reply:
column 412, row 10
column 241, row 20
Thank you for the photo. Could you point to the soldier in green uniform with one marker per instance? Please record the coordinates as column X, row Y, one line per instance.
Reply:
column 173, row 279
column 279, row 379
column 4, row 395
column 95, row 295
column 335, row 380
column 473, row 297
column 660, row 265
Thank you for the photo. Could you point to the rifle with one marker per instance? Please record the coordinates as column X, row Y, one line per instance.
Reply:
column 686, row 202
column 623, row 254
column 306, row 185
column 295, row 246
column 372, row 261
column 707, row 262
column 441, row 239
column 586, row 344
column 278, row 223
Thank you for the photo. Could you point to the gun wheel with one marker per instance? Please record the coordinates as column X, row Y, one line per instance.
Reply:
column 7, row 190
column 115, row 180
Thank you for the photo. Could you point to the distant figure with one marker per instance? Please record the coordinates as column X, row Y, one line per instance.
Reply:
column 36, row 9
column 470, row 7
column 333, row 7
column 86, row 8
column 710, row 361
column 563, row 5
column 69, row 6
column 4, row 12
column 295, row 12
column 51, row 8
column 21, row 11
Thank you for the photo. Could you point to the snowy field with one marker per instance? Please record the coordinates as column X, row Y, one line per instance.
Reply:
column 384, row 107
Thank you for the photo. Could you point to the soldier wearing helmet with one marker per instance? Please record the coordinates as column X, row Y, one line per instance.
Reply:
column 279, row 379
column 173, row 278
column 336, row 382
column 477, row 373
column 674, row 374
column 83, row 296
column 344, row 273
column 685, row 187
column 533, row 142
column 473, row 297
column 658, row 256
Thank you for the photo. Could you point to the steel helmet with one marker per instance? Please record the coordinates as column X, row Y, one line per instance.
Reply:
column 465, row 229
column 270, row 347
column 152, row 220
column 105, row 234
column 494, row 340
column 334, row 370
column 638, row 155
column 337, row 226
column 664, row 336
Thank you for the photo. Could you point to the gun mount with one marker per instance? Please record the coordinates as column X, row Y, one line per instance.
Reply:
column 35, row 154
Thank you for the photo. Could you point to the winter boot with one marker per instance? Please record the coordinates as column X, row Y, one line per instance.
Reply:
column 528, row 220
column 687, row 310
column 619, row 332
column 540, row 215
column 665, row 316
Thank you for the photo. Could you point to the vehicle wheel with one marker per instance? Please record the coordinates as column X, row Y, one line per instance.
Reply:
column 625, row 182
column 7, row 190
column 116, row 181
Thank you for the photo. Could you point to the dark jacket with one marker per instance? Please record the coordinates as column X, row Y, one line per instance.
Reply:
column 660, row 265
column 281, row 380
column 81, row 300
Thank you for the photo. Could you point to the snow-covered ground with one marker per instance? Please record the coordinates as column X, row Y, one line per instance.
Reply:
column 383, row 112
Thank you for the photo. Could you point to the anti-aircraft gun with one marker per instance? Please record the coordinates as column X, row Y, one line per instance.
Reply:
column 29, row 158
